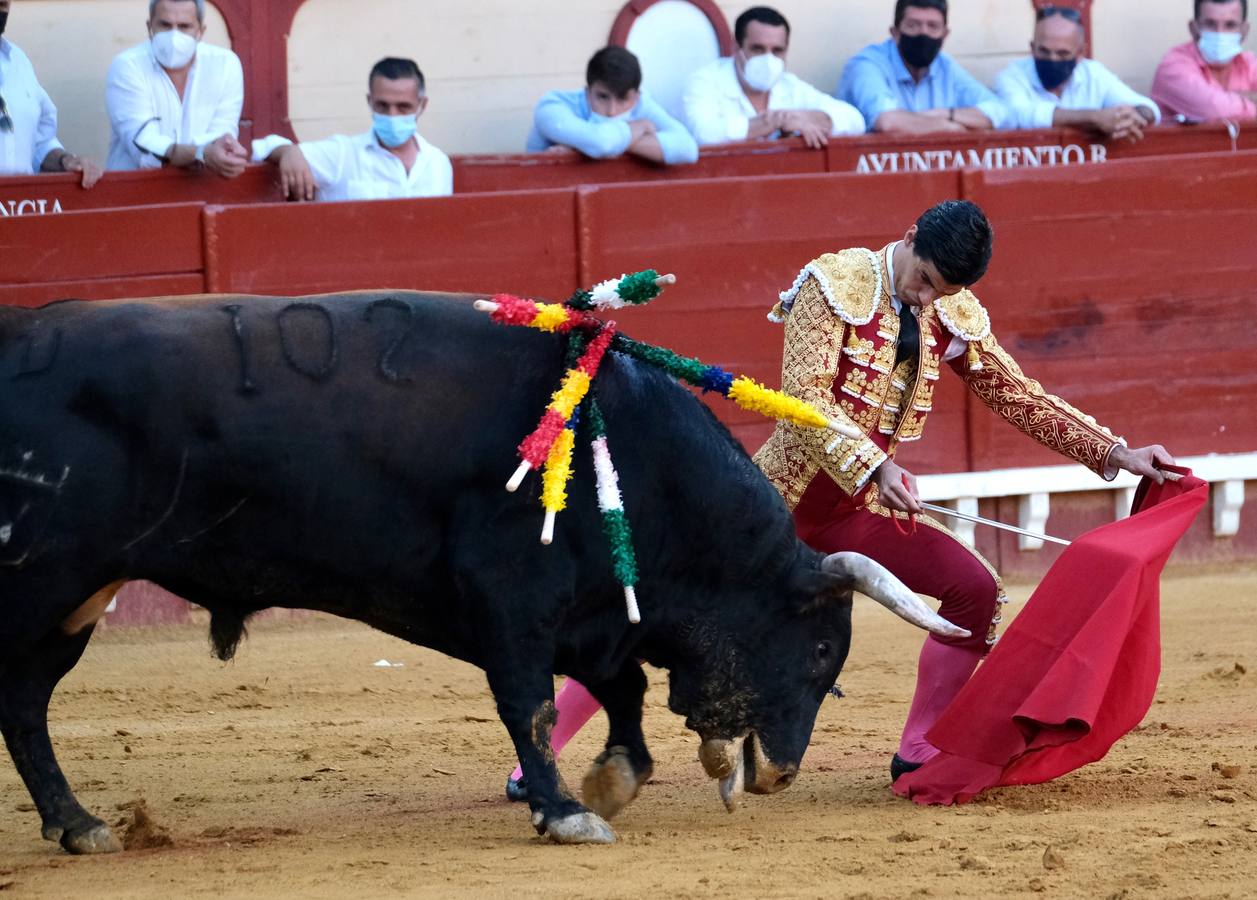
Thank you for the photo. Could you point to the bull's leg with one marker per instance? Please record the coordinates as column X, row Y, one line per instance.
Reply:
column 525, row 700
column 619, row 772
column 27, row 686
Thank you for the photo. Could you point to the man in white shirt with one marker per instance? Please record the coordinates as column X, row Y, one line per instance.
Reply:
column 174, row 100
column 28, row 119
column 751, row 95
column 1058, row 86
column 391, row 161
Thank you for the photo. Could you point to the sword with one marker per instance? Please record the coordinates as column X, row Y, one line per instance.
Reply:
column 943, row 510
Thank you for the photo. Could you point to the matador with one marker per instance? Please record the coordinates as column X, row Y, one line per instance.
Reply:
column 867, row 334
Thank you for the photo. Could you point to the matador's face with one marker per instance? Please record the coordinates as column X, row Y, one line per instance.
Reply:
column 917, row 282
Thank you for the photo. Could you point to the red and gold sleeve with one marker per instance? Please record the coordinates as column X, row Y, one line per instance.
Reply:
column 813, row 353
column 1044, row 417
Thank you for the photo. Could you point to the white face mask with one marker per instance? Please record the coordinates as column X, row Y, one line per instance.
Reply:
column 763, row 71
column 1219, row 47
column 173, row 48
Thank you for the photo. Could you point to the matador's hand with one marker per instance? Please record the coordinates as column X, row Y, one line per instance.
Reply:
column 897, row 487
column 1142, row 460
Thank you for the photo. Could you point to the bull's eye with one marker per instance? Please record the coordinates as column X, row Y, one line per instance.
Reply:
column 824, row 652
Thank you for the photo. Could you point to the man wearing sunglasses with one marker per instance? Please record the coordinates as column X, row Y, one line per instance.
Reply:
column 1210, row 78
column 28, row 119
column 1058, row 86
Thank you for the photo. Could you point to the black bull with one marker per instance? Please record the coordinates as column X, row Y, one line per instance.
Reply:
column 348, row 454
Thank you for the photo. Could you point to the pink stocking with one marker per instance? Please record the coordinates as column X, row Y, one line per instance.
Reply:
column 942, row 671
column 575, row 706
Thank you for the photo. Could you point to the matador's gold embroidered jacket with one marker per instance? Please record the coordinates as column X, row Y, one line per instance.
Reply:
column 841, row 339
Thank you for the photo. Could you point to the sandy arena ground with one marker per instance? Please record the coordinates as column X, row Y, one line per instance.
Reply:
column 302, row 770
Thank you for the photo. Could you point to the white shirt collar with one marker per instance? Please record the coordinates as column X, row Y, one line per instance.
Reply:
column 890, row 271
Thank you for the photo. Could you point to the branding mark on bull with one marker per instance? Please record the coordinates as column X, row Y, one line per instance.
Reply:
column 315, row 372
column 386, row 366
column 237, row 329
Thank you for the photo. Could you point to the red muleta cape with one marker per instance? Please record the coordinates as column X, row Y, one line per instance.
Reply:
column 1078, row 668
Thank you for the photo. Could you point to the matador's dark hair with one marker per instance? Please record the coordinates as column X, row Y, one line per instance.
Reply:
column 957, row 238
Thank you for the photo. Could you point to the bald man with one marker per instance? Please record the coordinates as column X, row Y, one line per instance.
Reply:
column 1058, row 86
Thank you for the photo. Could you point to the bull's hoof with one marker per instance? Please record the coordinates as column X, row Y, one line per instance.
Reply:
column 580, row 828
column 611, row 783
column 98, row 839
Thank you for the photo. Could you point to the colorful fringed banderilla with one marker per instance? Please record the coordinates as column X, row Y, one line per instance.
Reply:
column 615, row 524
column 745, row 392
column 551, row 442
column 538, row 448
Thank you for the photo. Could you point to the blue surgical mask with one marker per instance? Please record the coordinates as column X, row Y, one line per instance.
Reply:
column 1219, row 47
column 393, row 131
column 1054, row 72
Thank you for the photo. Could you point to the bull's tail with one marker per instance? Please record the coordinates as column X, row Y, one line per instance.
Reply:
column 227, row 629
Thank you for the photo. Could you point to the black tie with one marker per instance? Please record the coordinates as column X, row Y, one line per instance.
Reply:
column 909, row 335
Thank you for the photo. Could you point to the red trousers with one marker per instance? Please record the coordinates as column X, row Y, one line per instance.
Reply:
column 930, row 560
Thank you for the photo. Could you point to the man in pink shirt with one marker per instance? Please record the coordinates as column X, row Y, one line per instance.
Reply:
column 1211, row 77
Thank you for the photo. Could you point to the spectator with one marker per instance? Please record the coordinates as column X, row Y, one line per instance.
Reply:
column 751, row 95
column 1058, row 86
column 611, row 116
column 28, row 119
column 174, row 100
column 907, row 85
column 1212, row 77
column 390, row 161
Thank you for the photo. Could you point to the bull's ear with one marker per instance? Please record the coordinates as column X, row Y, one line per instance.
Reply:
column 814, row 589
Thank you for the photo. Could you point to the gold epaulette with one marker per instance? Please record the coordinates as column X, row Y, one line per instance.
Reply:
column 963, row 316
column 851, row 281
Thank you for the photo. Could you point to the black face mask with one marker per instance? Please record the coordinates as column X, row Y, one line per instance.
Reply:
column 919, row 50
column 1054, row 72
column 4, row 20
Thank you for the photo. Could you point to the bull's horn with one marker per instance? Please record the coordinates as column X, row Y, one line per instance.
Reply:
column 877, row 583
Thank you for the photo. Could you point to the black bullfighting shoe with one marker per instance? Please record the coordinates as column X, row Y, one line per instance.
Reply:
column 517, row 790
column 898, row 766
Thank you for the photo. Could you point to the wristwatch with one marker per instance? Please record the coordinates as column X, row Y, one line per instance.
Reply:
column 200, row 154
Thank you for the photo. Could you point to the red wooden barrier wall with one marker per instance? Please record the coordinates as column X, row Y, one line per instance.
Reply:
column 27, row 195
column 1128, row 289
column 143, row 251
column 518, row 242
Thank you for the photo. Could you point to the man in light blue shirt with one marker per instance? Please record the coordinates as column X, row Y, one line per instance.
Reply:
column 1058, row 86
column 907, row 85
column 611, row 116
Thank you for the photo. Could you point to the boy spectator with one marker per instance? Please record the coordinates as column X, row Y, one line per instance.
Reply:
column 907, row 85
column 611, row 116
column 751, row 95
column 1058, row 86
column 174, row 100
